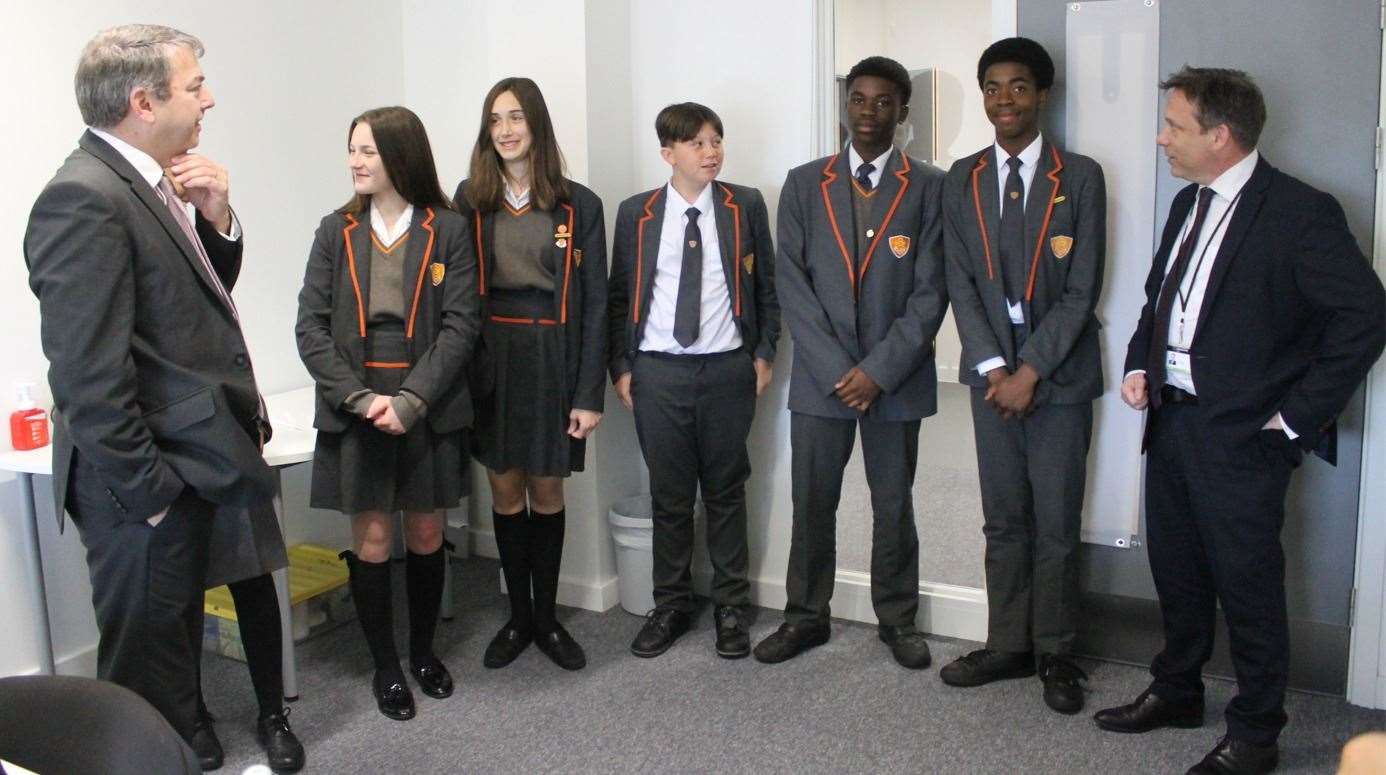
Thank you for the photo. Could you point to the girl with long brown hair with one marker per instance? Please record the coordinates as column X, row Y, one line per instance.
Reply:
column 539, row 375
column 387, row 320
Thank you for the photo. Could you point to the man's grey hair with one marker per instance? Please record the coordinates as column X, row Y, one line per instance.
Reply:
column 121, row 59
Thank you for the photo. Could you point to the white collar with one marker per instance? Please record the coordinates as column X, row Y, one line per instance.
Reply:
column 854, row 160
column 703, row 201
column 143, row 163
column 1230, row 182
column 1028, row 157
column 390, row 232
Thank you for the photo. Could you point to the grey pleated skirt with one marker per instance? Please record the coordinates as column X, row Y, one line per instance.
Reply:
column 521, row 405
column 364, row 469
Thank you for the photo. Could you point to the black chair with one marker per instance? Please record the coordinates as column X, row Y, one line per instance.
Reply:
column 66, row 724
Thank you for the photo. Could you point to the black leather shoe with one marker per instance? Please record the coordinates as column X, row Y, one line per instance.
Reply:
column 662, row 627
column 1237, row 757
column 907, row 645
column 559, row 646
column 1150, row 712
column 282, row 749
column 791, row 639
column 433, row 677
column 392, row 695
column 984, row 666
column 205, row 744
column 1063, row 683
column 732, row 640
column 506, row 646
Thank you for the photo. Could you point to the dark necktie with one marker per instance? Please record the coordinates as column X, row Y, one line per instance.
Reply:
column 1013, row 234
column 689, row 305
column 864, row 175
column 1159, row 335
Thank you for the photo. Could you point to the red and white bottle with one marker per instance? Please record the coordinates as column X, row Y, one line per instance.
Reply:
column 28, row 423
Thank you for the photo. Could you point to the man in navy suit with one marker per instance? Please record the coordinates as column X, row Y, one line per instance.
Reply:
column 1261, row 318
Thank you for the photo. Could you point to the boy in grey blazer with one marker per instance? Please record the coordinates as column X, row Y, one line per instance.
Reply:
column 1024, row 236
column 860, row 277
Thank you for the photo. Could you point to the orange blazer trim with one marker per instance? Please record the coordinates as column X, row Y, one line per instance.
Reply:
column 427, row 226
column 828, row 177
column 640, row 253
column 567, row 263
column 1053, row 176
column 480, row 255
column 1044, row 229
column 352, row 223
column 736, row 255
column 902, row 175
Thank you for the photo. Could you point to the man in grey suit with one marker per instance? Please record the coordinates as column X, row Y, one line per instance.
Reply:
column 132, row 248
column 1024, row 235
column 860, row 281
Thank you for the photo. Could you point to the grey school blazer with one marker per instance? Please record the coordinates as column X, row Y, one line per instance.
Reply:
column 879, row 311
column 1066, row 236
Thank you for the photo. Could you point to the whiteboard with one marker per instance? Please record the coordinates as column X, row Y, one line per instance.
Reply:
column 1112, row 50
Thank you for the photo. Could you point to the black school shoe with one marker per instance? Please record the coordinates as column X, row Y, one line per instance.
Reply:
column 392, row 695
column 662, row 627
column 1063, row 683
column 205, row 744
column 433, row 677
column 282, row 749
column 732, row 640
column 560, row 647
column 984, row 666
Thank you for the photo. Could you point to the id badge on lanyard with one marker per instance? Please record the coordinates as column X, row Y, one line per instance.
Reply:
column 1177, row 364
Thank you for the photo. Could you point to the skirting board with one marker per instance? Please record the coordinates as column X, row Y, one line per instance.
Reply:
column 944, row 609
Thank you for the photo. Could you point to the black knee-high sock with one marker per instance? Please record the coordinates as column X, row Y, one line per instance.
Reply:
column 370, row 591
column 423, row 579
column 257, row 613
column 546, row 555
column 512, row 543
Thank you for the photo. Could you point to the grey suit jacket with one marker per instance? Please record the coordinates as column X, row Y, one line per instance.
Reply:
column 881, row 312
column 1066, row 233
column 149, row 371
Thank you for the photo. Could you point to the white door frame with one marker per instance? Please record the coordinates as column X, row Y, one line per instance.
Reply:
column 1367, row 656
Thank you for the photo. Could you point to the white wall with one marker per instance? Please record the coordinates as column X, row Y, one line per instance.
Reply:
column 287, row 79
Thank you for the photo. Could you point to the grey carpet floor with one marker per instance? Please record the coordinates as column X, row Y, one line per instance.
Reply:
column 843, row 707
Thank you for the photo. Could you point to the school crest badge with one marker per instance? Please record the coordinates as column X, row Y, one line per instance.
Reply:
column 749, row 261
column 577, row 256
column 1060, row 245
column 899, row 245
column 436, row 272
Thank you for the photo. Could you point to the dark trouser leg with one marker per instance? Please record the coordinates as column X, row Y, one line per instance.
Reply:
column 1007, row 524
column 666, row 424
column 257, row 614
column 1056, row 442
column 546, row 557
column 370, row 591
column 819, row 450
column 890, row 451
column 1178, row 561
column 1242, row 509
column 423, row 580
column 726, row 395
column 147, row 585
column 512, row 543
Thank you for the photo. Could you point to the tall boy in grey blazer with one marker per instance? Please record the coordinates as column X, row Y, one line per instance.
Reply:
column 860, row 279
column 1024, row 236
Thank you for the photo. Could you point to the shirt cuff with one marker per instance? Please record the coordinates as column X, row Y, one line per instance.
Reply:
column 1127, row 375
column 989, row 364
column 235, row 228
column 1283, row 426
column 157, row 518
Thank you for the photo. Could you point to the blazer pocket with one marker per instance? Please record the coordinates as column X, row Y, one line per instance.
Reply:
column 182, row 412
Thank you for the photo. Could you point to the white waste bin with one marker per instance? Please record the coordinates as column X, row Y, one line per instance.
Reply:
column 632, row 531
